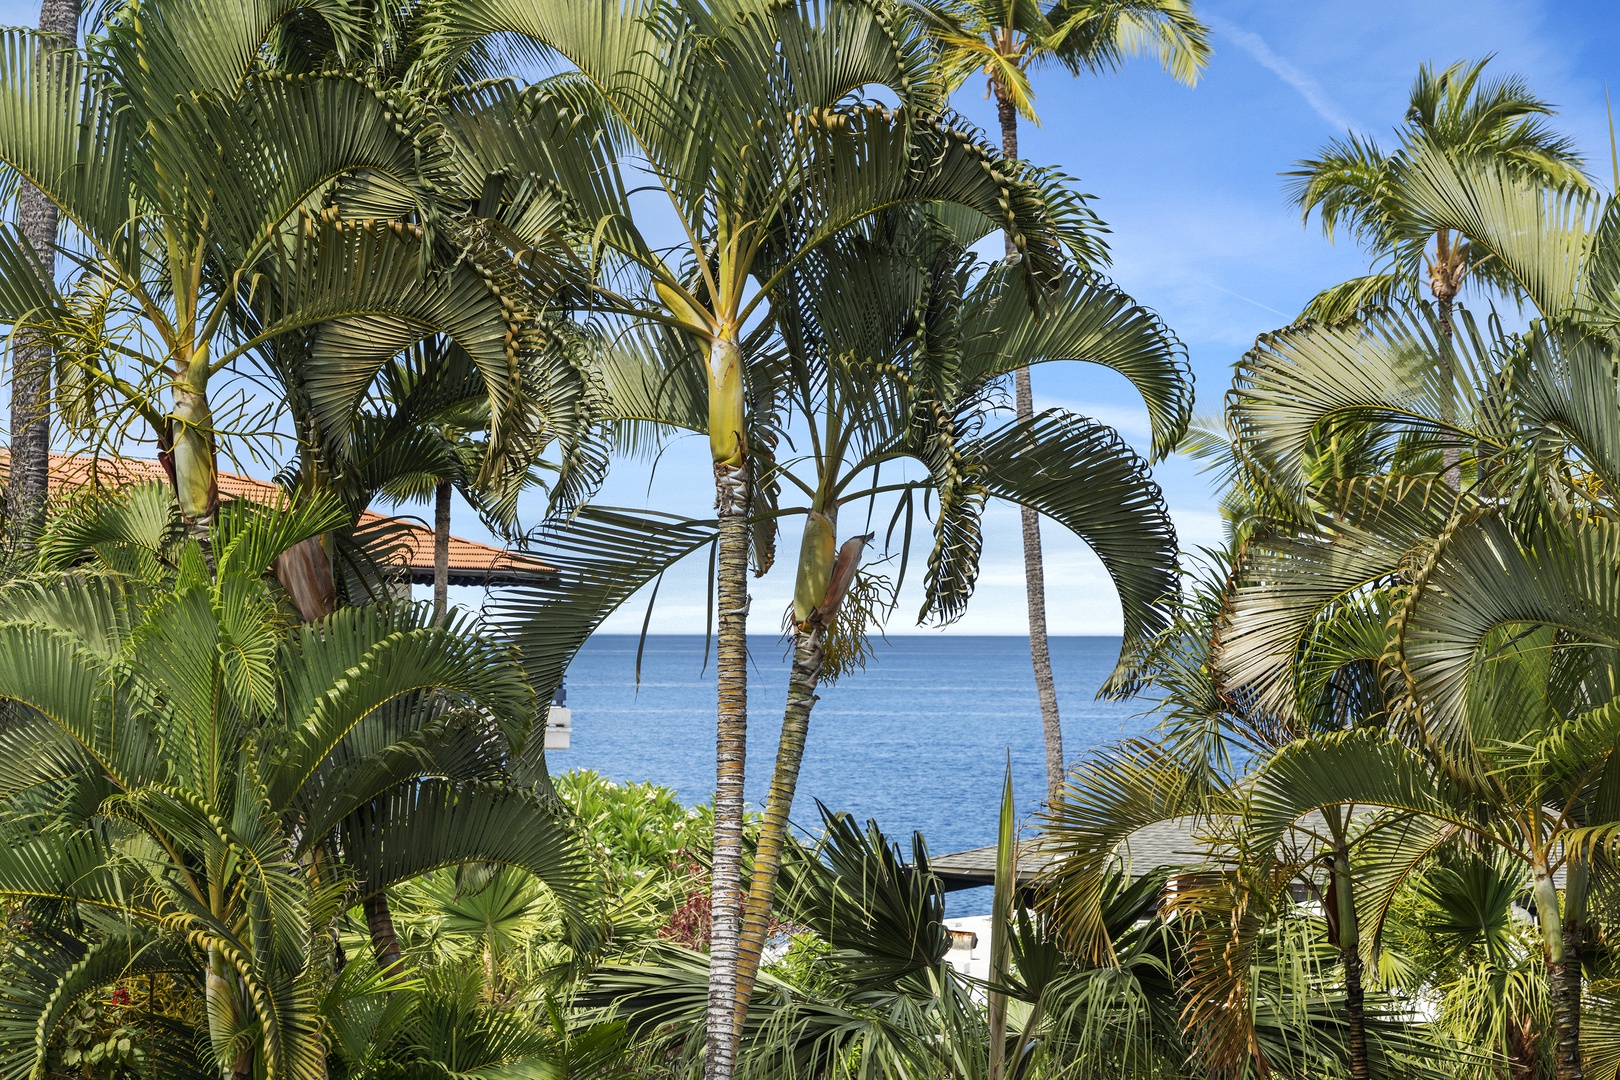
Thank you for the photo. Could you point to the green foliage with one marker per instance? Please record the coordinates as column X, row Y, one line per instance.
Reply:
column 803, row 964
column 638, row 831
column 1356, row 187
column 96, row 1044
column 197, row 784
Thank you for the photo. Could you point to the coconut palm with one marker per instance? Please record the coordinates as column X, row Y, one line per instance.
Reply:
column 37, row 218
column 207, row 784
column 752, row 119
column 1007, row 41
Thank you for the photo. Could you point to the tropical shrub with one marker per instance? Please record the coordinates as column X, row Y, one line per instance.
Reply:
column 197, row 786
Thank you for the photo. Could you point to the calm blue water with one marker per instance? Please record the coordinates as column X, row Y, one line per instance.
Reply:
column 918, row 740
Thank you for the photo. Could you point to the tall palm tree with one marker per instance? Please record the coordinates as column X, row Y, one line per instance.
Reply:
column 878, row 385
column 1355, row 186
column 209, row 784
column 37, row 217
column 754, row 121
column 1007, row 41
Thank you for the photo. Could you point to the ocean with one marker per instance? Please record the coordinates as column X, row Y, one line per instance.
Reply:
column 917, row 741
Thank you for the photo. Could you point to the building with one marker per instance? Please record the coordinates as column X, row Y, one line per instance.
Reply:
column 470, row 563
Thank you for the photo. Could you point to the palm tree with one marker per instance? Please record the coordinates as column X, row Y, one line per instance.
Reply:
column 37, row 219
column 1466, row 666
column 1529, row 806
column 1354, row 185
column 233, row 243
column 208, row 784
column 1338, row 436
column 379, row 408
column 879, row 387
column 1007, row 41
column 875, row 988
column 1463, row 933
column 753, row 120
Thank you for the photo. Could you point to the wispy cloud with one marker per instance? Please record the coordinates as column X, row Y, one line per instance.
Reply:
column 1266, row 57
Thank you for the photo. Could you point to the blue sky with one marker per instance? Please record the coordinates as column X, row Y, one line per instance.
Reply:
column 1186, row 179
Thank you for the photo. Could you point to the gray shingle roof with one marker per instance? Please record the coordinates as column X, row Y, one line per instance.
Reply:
column 1170, row 843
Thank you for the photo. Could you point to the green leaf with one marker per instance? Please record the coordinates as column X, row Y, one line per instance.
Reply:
column 602, row 557
column 1083, row 476
column 433, row 824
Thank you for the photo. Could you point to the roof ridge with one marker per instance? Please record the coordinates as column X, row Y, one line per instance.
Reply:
column 471, row 562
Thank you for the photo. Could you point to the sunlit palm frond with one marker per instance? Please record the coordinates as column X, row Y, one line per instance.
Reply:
column 601, row 557
column 1387, row 371
column 433, row 824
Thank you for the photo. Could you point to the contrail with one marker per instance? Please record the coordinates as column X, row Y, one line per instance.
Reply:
column 1307, row 87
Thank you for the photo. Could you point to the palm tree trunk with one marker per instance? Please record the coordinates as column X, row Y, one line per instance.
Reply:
column 823, row 581
column 731, row 746
column 1576, row 881
column 385, row 943
column 802, row 682
column 1349, row 933
column 27, row 485
column 1034, row 565
column 441, row 551
column 1565, row 1006
column 1442, row 283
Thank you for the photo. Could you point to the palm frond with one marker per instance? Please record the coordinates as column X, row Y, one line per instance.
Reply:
column 1082, row 475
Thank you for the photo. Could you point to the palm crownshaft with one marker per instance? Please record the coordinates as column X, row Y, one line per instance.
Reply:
column 1030, row 528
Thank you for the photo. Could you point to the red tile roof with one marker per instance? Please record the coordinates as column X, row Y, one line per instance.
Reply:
column 471, row 563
